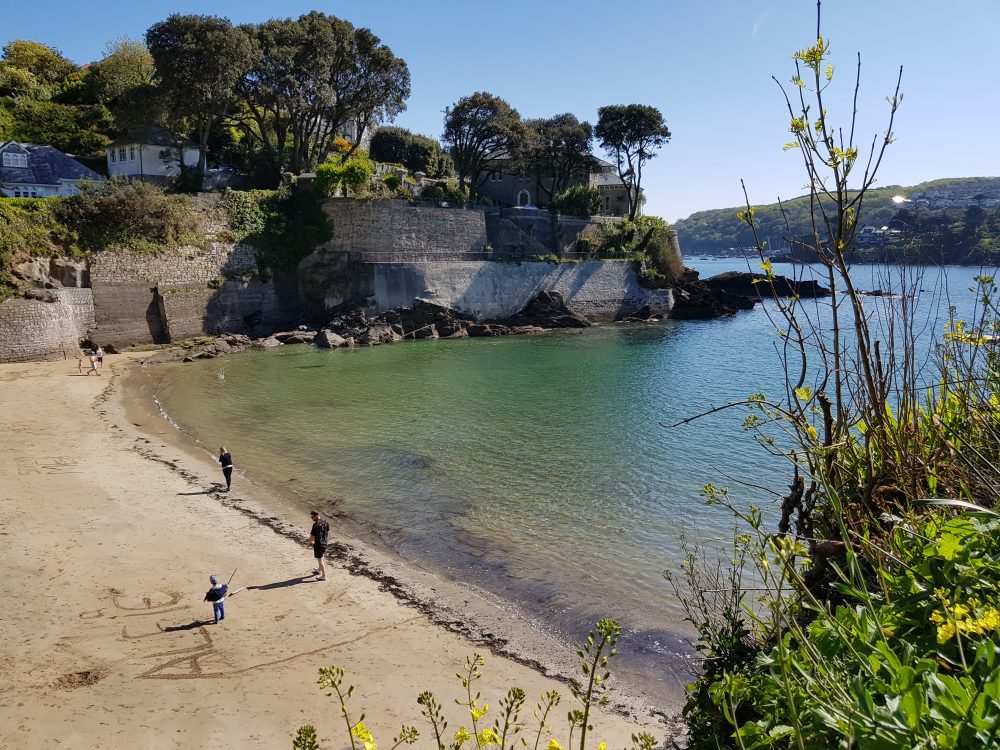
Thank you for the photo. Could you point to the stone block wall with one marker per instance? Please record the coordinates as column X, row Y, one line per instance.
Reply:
column 143, row 298
column 600, row 290
column 33, row 330
column 393, row 226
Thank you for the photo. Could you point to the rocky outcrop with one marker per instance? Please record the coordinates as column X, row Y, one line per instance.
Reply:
column 547, row 309
column 757, row 285
column 728, row 293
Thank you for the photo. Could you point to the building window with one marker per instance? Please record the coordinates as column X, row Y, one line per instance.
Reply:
column 111, row 155
column 496, row 176
column 15, row 160
column 121, row 154
column 17, row 193
column 131, row 153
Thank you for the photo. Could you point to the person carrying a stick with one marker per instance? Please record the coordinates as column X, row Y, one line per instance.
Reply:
column 217, row 596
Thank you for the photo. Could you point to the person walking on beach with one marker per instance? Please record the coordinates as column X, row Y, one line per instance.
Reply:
column 100, row 356
column 217, row 596
column 79, row 362
column 317, row 538
column 226, row 459
column 93, row 365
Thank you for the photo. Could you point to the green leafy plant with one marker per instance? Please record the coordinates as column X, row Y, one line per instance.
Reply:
column 578, row 200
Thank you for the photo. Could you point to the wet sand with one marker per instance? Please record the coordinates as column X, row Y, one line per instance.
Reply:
column 111, row 526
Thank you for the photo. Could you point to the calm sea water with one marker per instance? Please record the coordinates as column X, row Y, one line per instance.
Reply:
column 536, row 467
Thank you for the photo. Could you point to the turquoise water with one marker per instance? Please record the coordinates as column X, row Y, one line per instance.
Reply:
column 536, row 467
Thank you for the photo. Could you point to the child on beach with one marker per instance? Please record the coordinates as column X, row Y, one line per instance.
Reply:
column 100, row 356
column 93, row 365
column 217, row 596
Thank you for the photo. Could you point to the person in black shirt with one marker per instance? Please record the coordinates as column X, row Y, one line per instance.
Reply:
column 226, row 459
column 217, row 597
column 317, row 538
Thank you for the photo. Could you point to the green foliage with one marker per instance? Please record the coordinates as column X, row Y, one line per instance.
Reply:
column 649, row 241
column 444, row 192
column 631, row 134
column 556, row 151
column 480, row 129
column 283, row 225
column 72, row 129
column 578, row 200
column 875, row 621
column 123, row 215
column 45, row 65
column 353, row 175
column 504, row 732
column 417, row 153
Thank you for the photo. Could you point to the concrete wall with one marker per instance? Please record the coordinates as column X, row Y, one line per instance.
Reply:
column 32, row 330
column 387, row 227
column 600, row 290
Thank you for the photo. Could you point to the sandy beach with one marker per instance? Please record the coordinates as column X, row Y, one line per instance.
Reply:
column 110, row 530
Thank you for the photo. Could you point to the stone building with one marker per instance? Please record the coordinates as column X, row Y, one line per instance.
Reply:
column 508, row 188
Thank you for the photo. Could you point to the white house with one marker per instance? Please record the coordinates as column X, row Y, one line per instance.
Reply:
column 151, row 155
column 30, row 171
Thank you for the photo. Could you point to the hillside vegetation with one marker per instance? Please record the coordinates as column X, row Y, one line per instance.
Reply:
column 716, row 230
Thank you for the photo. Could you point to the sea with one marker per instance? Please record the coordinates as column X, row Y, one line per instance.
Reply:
column 562, row 472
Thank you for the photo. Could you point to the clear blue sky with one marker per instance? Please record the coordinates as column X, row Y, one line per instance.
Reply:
column 705, row 64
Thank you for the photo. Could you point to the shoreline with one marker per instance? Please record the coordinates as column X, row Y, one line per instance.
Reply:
column 110, row 529
column 485, row 618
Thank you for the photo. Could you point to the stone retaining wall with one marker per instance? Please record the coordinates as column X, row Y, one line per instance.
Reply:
column 33, row 330
column 396, row 226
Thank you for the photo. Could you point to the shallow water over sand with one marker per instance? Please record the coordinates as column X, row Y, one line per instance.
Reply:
column 535, row 467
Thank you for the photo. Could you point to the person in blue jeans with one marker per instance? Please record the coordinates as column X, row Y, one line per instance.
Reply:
column 217, row 596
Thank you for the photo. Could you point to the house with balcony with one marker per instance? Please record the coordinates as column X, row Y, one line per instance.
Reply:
column 28, row 170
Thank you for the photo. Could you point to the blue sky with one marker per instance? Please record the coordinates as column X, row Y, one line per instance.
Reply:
column 707, row 65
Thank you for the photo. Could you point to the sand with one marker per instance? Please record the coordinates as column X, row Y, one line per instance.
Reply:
column 109, row 533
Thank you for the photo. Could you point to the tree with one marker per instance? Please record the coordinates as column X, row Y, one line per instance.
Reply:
column 308, row 78
column 46, row 65
column 631, row 134
column 481, row 129
column 579, row 200
column 126, row 65
column 199, row 61
column 557, row 152
column 417, row 153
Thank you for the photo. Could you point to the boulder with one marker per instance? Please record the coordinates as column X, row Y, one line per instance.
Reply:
column 42, row 295
column 327, row 339
column 697, row 301
column 487, row 329
column 379, row 333
column 269, row 343
column 547, row 309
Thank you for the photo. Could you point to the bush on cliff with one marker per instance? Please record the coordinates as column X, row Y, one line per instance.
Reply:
column 29, row 228
column 131, row 216
column 648, row 241
column 284, row 226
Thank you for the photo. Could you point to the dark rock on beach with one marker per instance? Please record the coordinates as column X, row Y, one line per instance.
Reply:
column 756, row 285
column 728, row 293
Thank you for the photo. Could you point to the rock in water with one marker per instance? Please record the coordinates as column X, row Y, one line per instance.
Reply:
column 547, row 309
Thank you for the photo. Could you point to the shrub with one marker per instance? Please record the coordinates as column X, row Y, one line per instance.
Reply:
column 443, row 192
column 283, row 225
column 123, row 215
column 353, row 175
column 578, row 200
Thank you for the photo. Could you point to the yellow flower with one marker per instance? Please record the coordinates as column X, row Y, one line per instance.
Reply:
column 602, row 746
column 478, row 713
column 462, row 736
column 489, row 737
column 554, row 745
column 945, row 632
column 362, row 733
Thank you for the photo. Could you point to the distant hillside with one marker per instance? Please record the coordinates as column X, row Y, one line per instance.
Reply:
column 712, row 232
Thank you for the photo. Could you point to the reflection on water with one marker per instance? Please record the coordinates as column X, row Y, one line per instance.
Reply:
column 536, row 467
